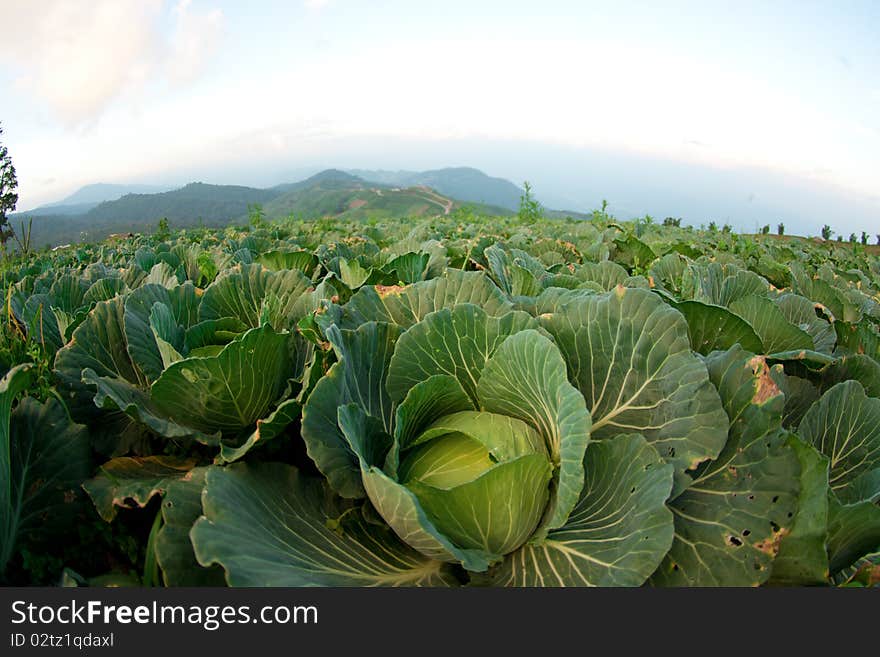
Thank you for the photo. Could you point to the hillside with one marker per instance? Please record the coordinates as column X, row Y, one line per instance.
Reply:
column 191, row 205
column 331, row 192
column 339, row 194
column 188, row 204
column 56, row 209
column 88, row 197
column 463, row 183
column 100, row 192
column 327, row 179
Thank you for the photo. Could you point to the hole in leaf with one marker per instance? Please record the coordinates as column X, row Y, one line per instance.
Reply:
column 775, row 499
column 746, row 532
column 734, row 541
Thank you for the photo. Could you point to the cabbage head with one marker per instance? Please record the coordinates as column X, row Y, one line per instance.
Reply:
column 460, row 440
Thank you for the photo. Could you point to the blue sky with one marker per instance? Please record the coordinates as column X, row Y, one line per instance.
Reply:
column 747, row 111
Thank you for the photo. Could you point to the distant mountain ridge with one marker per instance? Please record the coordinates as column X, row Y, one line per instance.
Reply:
column 341, row 194
column 86, row 198
column 332, row 192
column 463, row 183
column 100, row 192
column 328, row 178
column 211, row 203
column 60, row 209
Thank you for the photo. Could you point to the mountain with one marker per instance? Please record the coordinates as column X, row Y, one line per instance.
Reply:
column 85, row 198
column 57, row 209
column 329, row 193
column 340, row 194
column 100, row 192
column 462, row 183
column 191, row 205
column 187, row 205
column 88, row 197
column 327, row 179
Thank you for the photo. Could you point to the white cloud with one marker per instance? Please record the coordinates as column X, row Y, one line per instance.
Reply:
column 79, row 57
column 584, row 93
column 195, row 40
column 590, row 93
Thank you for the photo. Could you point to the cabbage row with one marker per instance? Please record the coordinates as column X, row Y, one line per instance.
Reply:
column 450, row 404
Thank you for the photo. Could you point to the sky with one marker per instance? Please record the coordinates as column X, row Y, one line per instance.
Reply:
column 745, row 112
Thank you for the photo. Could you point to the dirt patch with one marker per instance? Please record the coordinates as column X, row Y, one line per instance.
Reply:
column 765, row 388
column 770, row 545
column 385, row 290
column 357, row 203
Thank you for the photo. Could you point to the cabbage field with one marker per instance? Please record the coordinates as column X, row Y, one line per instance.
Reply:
column 462, row 401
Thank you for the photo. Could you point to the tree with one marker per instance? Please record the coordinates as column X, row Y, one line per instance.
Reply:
column 672, row 221
column 765, row 229
column 529, row 208
column 780, row 229
column 726, row 228
column 602, row 215
column 827, row 232
column 257, row 216
column 8, row 193
column 713, row 226
column 163, row 230
column 864, row 238
column 852, row 238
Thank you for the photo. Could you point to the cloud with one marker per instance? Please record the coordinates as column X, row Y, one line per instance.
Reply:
column 79, row 57
column 315, row 5
column 195, row 40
